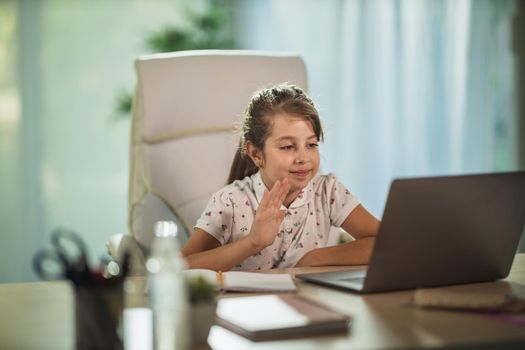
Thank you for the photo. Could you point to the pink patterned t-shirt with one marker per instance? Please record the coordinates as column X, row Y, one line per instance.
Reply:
column 323, row 203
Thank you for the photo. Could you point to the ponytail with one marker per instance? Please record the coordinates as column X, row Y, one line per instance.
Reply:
column 242, row 166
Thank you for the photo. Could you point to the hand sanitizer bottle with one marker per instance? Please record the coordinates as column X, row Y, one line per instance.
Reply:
column 167, row 290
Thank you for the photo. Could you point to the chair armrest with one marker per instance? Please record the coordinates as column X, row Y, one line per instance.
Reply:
column 121, row 243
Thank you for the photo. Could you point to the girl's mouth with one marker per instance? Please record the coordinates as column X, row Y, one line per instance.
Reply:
column 301, row 174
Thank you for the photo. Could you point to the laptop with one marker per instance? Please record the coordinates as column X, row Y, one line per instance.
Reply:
column 440, row 231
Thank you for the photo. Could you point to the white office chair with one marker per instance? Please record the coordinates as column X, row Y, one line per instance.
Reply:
column 185, row 107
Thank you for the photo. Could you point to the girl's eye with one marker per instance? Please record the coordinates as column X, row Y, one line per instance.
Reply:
column 313, row 145
column 287, row 147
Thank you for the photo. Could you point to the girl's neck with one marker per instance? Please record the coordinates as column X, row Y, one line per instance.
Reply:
column 290, row 197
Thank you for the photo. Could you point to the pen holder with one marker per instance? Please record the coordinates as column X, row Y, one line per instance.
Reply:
column 98, row 312
column 202, row 318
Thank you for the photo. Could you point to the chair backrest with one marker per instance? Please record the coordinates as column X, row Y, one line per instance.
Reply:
column 185, row 108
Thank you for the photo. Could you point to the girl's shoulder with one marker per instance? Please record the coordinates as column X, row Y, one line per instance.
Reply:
column 329, row 185
column 325, row 180
column 239, row 189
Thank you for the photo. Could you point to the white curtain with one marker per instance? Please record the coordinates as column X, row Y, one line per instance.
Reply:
column 405, row 88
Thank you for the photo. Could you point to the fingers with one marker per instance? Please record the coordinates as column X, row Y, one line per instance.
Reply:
column 268, row 199
column 265, row 199
column 285, row 190
column 280, row 216
column 276, row 196
column 278, row 193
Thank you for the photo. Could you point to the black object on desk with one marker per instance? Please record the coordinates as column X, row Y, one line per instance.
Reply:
column 98, row 312
column 98, row 293
column 67, row 258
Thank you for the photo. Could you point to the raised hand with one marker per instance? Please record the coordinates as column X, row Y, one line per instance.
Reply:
column 269, row 215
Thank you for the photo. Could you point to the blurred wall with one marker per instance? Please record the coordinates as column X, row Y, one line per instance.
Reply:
column 519, row 49
column 64, row 152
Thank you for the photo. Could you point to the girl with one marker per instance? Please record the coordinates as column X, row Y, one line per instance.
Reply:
column 277, row 210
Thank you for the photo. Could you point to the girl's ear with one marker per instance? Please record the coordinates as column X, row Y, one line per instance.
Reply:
column 255, row 154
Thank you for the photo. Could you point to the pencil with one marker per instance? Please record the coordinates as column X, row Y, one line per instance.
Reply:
column 219, row 279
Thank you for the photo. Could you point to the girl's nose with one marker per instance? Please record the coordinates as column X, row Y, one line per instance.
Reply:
column 301, row 157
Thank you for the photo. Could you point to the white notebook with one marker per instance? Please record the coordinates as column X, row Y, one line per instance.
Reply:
column 242, row 281
column 269, row 317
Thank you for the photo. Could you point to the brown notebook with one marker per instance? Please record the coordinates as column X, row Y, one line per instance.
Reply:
column 270, row 317
column 498, row 296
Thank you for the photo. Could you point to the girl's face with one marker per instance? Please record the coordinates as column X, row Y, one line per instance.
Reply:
column 291, row 151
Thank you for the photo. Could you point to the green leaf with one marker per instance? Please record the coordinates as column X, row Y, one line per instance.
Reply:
column 209, row 30
column 124, row 103
column 200, row 290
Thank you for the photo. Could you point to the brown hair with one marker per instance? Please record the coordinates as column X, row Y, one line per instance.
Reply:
column 256, row 126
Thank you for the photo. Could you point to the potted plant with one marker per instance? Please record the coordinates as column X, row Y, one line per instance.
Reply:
column 203, row 305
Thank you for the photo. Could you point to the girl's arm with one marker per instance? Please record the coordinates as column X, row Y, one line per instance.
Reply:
column 360, row 223
column 204, row 251
column 363, row 227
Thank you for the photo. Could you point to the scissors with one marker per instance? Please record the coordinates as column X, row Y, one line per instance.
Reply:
column 66, row 259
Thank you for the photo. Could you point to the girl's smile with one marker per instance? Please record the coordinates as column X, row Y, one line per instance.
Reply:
column 301, row 174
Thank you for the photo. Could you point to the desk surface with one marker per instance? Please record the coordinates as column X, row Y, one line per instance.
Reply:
column 40, row 316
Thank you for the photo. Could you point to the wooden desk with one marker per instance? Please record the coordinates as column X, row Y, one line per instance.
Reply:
column 40, row 316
